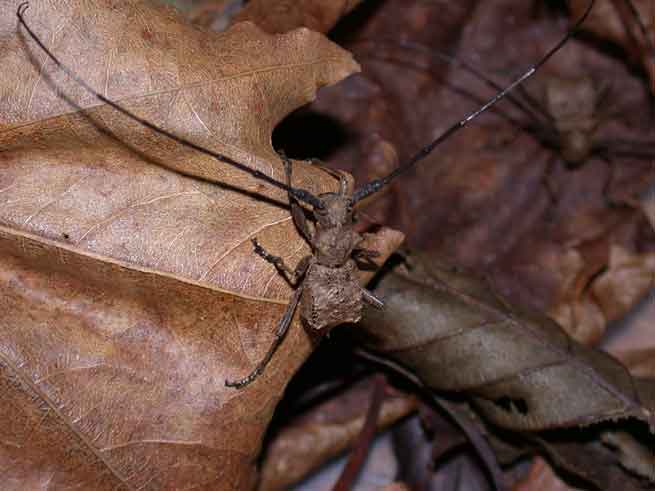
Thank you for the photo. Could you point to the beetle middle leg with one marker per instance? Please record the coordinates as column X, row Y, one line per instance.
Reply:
column 370, row 298
column 293, row 276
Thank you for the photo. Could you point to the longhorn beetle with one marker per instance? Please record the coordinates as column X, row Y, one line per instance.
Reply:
column 327, row 287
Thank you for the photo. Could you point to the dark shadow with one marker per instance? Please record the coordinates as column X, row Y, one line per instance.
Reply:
column 349, row 27
column 306, row 134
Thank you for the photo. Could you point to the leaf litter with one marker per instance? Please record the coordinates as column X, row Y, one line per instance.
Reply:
column 487, row 261
column 492, row 211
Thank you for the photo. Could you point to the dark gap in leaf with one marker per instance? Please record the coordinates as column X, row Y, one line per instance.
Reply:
column 306, row 134
column 512, row 405
column 389, row 265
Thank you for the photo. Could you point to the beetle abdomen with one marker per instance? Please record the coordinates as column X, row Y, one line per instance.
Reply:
column 332, row 296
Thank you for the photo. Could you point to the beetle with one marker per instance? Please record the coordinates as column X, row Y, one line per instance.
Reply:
column 327, row 287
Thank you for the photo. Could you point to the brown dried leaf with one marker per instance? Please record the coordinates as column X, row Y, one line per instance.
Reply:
column 641, row 362
column 324, row 432
column 130, row 292
column 628, row 278
column 112, row 376
column 602, row 286
column 521, row 370
column 586, row 456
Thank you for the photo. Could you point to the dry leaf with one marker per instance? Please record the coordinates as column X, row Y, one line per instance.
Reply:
column 519, row 367
column 641, row 362
column 131, row 292
column 429, row 458
column 541, row 478
column 324, row 432
column 629, row 23
column 628, row 278
column 112, row 376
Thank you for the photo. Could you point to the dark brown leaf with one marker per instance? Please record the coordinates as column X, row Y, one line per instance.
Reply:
column 521, row 371
column 416, row 454
column 520, row 368
column 629, row 23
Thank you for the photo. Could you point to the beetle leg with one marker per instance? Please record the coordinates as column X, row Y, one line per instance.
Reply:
column 371, row 299
column 297, row 212
column 365, row 254
column 292, row 275
column 344, row 183
column 280, row 332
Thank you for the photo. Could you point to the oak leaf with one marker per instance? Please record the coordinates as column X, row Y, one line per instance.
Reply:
column 130, row 291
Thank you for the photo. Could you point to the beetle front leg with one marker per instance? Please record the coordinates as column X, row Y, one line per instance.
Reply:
column 297, row 212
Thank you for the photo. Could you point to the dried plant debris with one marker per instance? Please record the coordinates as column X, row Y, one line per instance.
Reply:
column 433, row 455
column 325, row 431
column 542, row 477
column 129, row 289
column 519, row 368
column 628, row 23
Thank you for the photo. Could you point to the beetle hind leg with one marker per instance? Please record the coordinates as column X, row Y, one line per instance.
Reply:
column 280, row 332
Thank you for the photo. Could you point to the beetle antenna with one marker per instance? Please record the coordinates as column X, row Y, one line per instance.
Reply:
column 377, row 184
column 466, row 66
column 298, row 193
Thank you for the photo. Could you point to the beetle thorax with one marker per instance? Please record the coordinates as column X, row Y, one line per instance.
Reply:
column 335, row 237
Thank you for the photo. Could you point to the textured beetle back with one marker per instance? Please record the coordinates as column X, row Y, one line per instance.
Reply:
column 332, row 296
